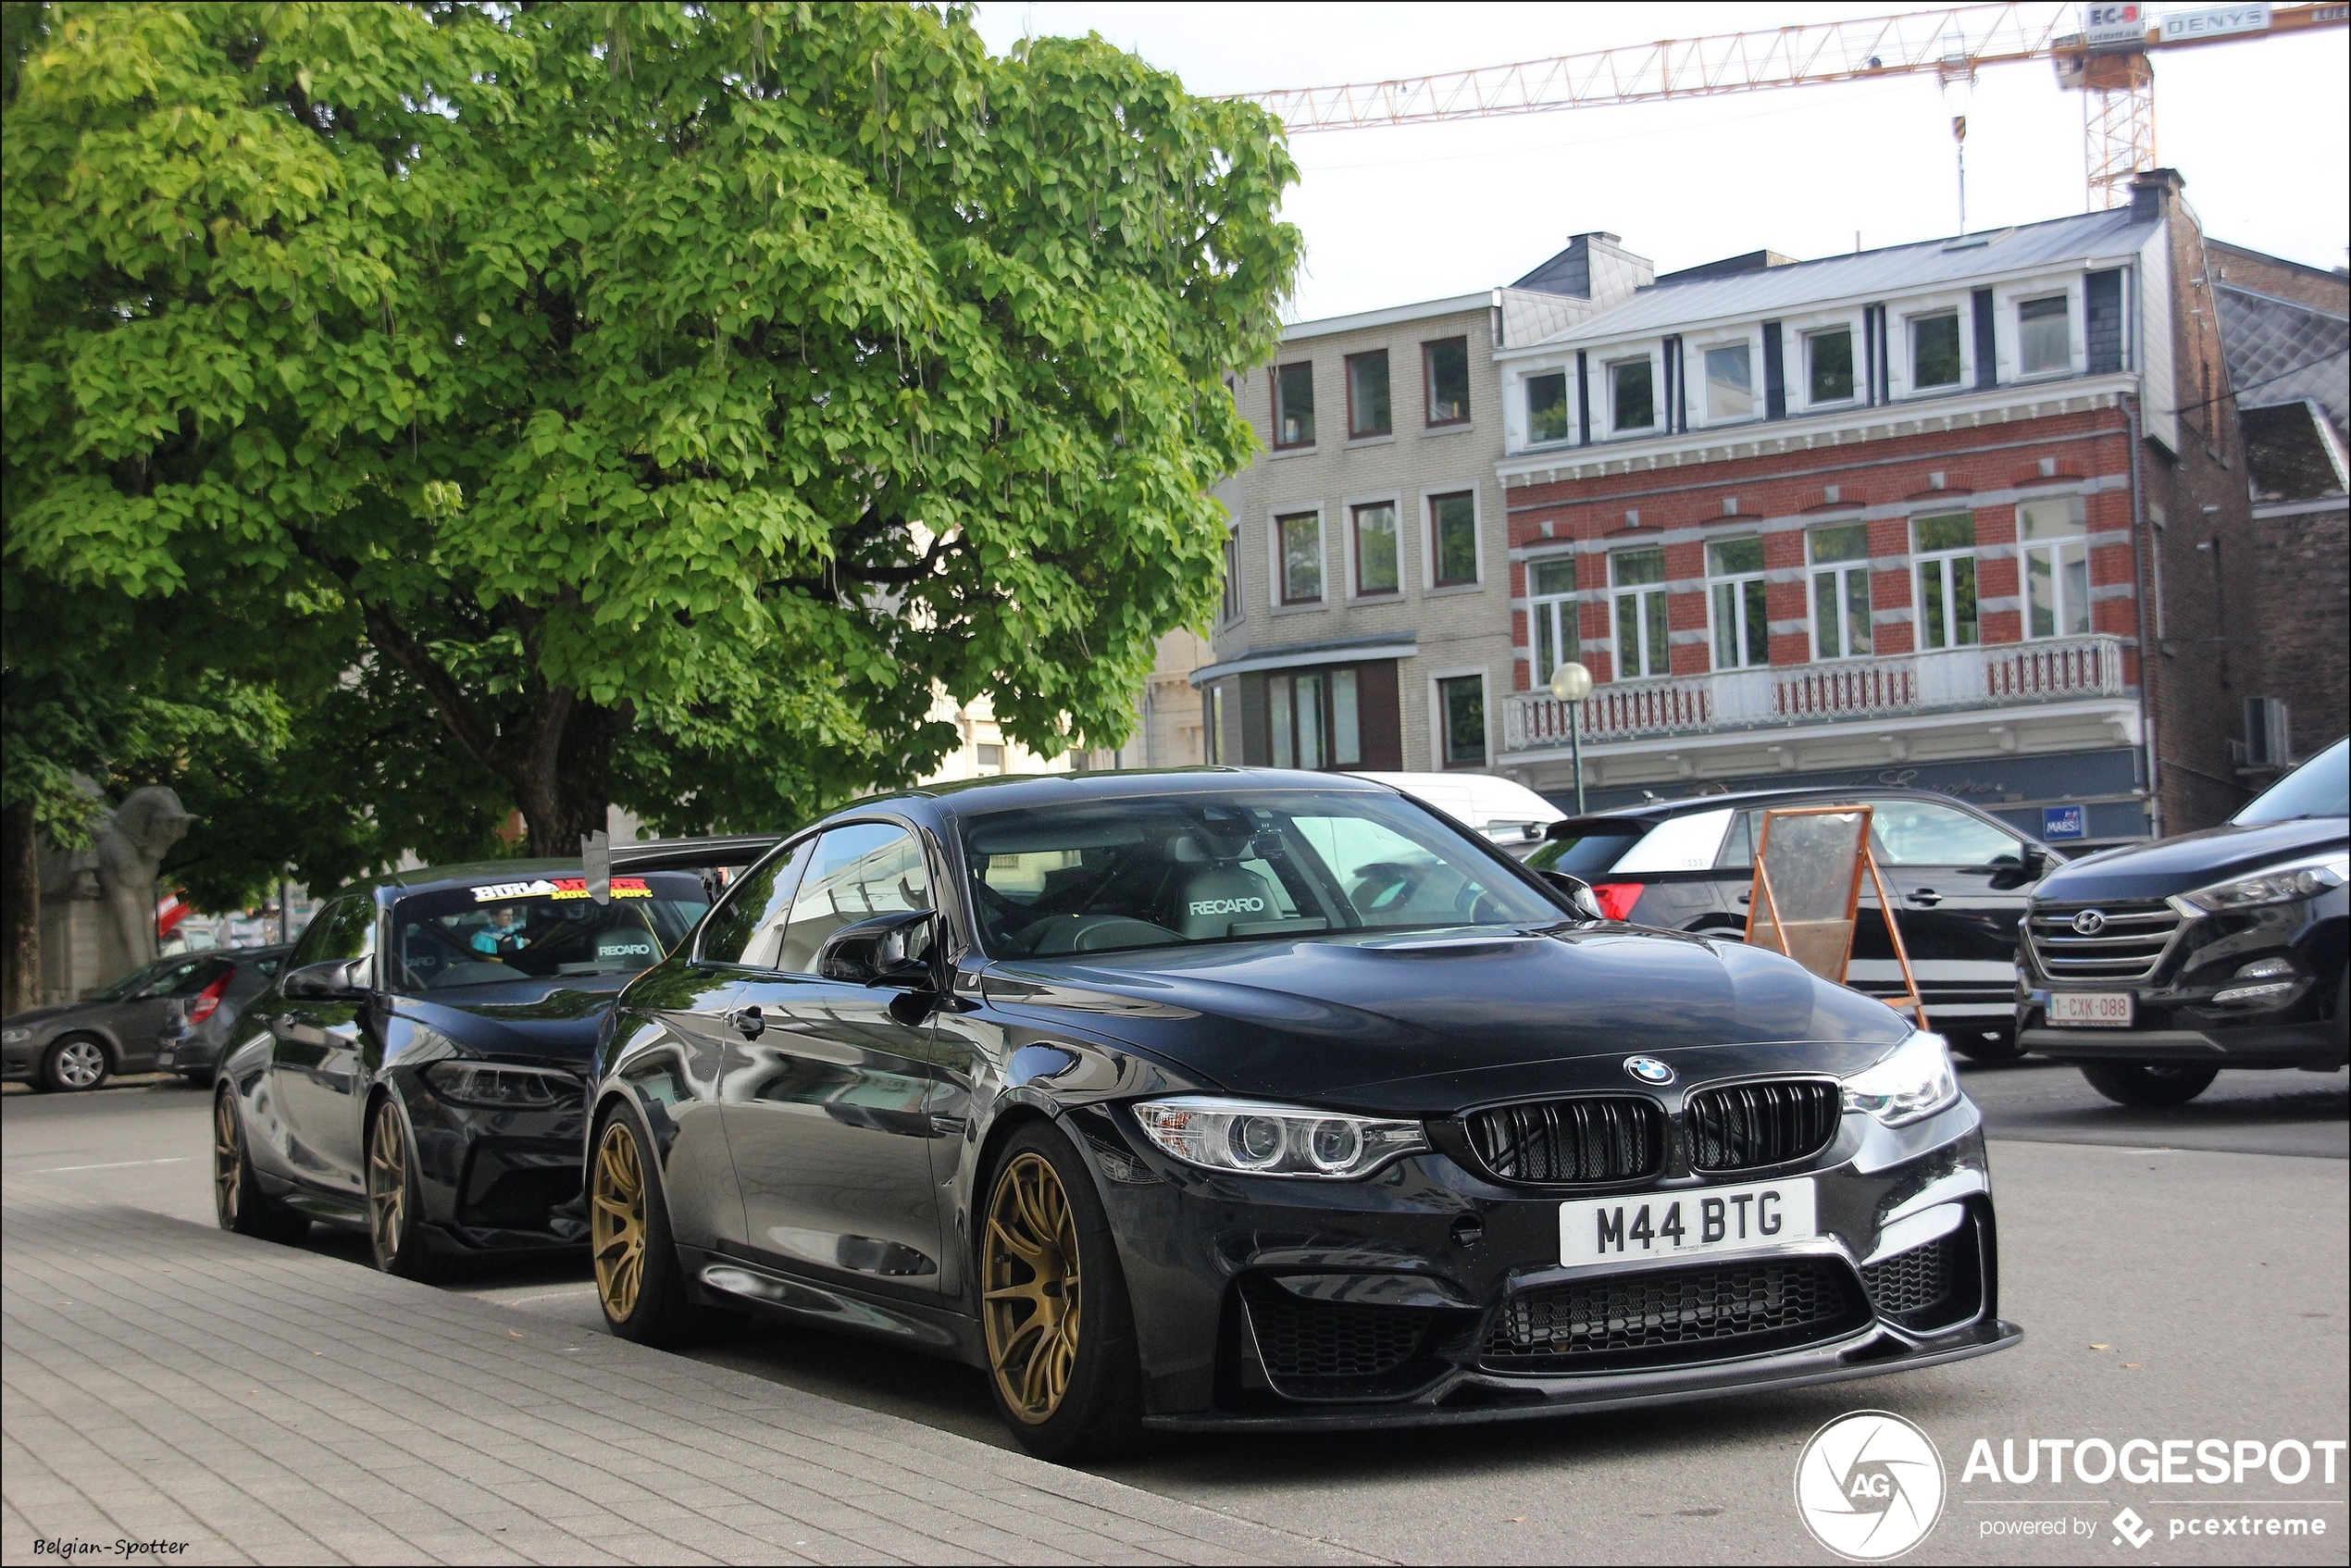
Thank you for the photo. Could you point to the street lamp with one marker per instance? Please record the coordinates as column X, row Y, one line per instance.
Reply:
column 1571, row 683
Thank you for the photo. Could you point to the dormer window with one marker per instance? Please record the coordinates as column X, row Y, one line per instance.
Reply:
column 1632, row 394
column 1546, row 408
column 1730, row 382
column 1828, row 366
column 2044, row 336
column 1935, row 351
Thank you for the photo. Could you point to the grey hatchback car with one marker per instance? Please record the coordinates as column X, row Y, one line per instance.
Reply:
column 80, row 1045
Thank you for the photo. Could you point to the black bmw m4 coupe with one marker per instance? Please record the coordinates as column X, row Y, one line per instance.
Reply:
column 1234, row 1099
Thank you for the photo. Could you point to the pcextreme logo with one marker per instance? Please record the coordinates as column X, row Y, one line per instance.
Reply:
column 1868, row 1486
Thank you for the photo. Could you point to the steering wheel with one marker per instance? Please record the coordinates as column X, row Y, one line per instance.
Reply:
column 1092, row 933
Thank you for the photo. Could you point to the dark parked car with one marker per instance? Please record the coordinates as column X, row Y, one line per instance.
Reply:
column 1235, row 1099
column 1961, row 879
column 2156, row 966
column 80, row 1045
column 417, row 1068
column 197, row 1028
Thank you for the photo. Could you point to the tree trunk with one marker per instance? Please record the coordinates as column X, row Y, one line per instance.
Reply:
column 563, row 785
column 21, row 881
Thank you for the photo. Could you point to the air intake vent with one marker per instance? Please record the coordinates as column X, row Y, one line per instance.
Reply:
column 1335, row 1350
column 1599, row 1137
column 1930, row 1287
column 1675, row 1315
column 1748, row 1125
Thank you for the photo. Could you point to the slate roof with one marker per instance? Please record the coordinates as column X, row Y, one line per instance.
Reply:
column 2281, row 352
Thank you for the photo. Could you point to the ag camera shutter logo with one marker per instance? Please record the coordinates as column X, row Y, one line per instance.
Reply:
column 1870, row 1486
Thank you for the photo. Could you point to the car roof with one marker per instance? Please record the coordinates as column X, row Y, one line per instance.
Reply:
column 1659, row 811
column 973, row 796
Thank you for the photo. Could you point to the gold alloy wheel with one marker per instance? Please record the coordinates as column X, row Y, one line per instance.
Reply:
column 1031, row 1300
column 618, row 1223
column 227, row 1174
column 387, row 1184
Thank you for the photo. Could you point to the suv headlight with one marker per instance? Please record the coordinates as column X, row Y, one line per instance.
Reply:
column 2276, row 884
column 505, row 1087
column 1914, row 1082
column 1255, row 1138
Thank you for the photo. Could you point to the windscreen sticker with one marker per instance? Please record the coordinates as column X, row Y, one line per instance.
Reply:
column 560, row 888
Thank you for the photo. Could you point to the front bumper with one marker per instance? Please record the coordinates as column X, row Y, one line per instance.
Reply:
column 499, row 1180
column 1259, row 1302
column 19, row 1060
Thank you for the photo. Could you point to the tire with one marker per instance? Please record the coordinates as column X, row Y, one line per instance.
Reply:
column 1057, row 1321
column 640, row 1285
column 2150, row 1085
column 238, row 1201
column 1999, row 1045
column 398, row 1237
column 75, row 1065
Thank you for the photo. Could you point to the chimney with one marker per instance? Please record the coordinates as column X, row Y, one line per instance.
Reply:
column 2151, row 193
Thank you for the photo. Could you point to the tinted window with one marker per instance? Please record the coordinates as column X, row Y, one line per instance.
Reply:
column 344, row 929
column 1587, row 854
column 178, row 973
column 1922, row 833
column 2320, row 786
column 1100, row 876
column 858, row 872
column 747, row 924
column 539, row 927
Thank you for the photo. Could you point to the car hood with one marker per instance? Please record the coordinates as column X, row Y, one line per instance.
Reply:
column 48, row 1018
column 1424, row 1021
column 2188, row 861
column 529, row 1020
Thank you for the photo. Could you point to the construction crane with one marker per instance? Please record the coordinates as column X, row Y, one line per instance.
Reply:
column 2100, row 50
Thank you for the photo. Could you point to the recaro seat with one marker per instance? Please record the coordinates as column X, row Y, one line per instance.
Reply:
column 1207, row 897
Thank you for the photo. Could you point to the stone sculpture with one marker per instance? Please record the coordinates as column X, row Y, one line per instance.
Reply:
column 129, row 850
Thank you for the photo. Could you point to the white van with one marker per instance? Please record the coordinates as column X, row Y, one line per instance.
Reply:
column 1511, row 815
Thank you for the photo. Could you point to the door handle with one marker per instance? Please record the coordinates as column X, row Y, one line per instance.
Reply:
column 1747, row 897
column 1926, row 896
column 749, row 1023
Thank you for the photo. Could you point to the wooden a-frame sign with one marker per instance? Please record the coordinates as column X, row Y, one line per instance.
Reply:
column 1807, row 898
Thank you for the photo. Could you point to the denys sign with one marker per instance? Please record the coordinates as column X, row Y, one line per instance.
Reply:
column 2215, row 21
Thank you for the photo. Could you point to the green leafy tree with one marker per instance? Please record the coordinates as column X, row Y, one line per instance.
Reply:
column 672, row 396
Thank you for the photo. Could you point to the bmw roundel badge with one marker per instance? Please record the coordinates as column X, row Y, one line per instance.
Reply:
column 1648, row 1070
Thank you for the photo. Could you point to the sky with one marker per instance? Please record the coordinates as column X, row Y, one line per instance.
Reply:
column 2261, row 131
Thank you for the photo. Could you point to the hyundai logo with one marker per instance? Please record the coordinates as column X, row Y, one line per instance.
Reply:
column 1648, row 1070
column 2090, row 922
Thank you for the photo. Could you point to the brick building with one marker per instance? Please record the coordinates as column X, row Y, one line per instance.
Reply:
column 1959, row 514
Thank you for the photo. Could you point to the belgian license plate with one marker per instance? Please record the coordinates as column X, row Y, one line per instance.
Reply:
column 1678, row 1224
column 2090, row 1010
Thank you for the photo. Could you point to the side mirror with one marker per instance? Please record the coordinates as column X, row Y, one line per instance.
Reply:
column 337, row 980
column 2036, row 863
column 1577, row 892
column 884, row 951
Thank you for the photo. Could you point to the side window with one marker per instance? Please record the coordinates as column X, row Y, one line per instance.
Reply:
column 1738, row 844
column 171, row 978
column 857, row 872
column 346, row 928
column 747, row 927
column 1922, row 833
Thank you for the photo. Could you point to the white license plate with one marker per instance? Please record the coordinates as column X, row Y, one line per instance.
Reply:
column 1678, row 1224
column 2090, row 1010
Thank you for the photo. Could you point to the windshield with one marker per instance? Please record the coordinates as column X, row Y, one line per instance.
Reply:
column 539, row 928
column 1107, row 875
column 2320, row 786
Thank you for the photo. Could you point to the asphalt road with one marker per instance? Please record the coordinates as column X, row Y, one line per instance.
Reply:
column 2180, row 1275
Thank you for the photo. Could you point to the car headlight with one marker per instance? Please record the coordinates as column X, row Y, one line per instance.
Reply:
column 505, row 1087
column 14, row 1037
column 1915, row 1081
column 2276, row 884
column 1255, row 1138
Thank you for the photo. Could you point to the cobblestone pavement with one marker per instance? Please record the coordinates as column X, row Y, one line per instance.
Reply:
column 160, row 1380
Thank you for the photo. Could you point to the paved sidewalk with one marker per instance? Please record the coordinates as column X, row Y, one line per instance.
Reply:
column 160, row 1380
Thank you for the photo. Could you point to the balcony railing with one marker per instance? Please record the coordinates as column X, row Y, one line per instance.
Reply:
column 1963, row 677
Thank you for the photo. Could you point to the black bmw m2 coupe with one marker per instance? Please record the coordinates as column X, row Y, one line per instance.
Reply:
column 1225, row 1098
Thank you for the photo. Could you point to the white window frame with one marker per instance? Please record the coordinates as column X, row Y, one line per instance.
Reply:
column 1841, row 570
column 1394, row 501
column 2055, row 549
column 1436, row 677
column 1564, row 611
column 1921, row 559
column 1903, row 369
column 1428, row 536
column 1521, row 413
column 1273, row 517
column 2072, row 350
column 1663, row 590
column 1802, row 380
column 1232, row 607
column 2006, row 324
column 1752, row 341
column 1736, row 580
column 1660, row 416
